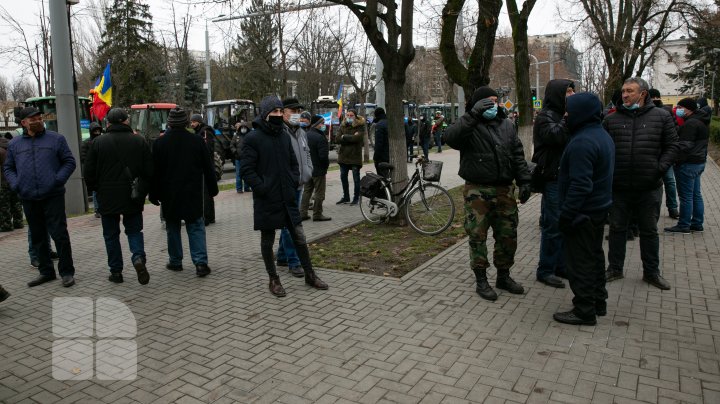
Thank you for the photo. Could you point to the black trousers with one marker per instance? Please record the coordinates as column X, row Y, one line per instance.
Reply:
column 297, row 234
column 585, row 266
column 48, row 216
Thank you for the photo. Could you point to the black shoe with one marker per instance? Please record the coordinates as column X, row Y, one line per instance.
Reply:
column 657, row 281
column 342, row 201
column 276, row 287
column 613, row 276
column 569, row 317
column 630, row 236
column 41, row 279
column 68, row 280
column 173, row 267
column 142, row 273
column 240, row 191
column 354, row 202
column 35, row 263
column 116, row 277
column 507, row 283
column 601, row 310
column 678, row 229
column 485, row 291
column 281, row 263
column 54, row 255
column 674, row 214
column 297, row 271
column 202, row 270
column 552, row 280
column 696, row 229
column 4, row 294
column 97, row 215
column 312, row 279
column 321, row 219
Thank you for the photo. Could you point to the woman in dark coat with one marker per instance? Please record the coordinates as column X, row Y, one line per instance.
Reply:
column 269, row 165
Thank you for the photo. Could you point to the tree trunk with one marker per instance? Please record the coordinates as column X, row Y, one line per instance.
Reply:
column 396, row 129
column 522, row 73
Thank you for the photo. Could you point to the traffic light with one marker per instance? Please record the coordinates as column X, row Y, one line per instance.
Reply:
column 534, row 94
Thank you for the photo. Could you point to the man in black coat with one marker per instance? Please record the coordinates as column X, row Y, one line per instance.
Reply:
column 182, row 172
column 95, row 131
column 382, row 141
column 491, row 158
column 646, row 145
column 423, row 128
column 208, row 135
column 319, row 154
column 550, row 136
column 112, row 162
column 669, row 182
column 269, row 165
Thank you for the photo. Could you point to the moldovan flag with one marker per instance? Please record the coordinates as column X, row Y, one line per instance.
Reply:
column 102, row 95
column 339, row 98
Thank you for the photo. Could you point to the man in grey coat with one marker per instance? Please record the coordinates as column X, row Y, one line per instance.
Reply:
column 286, row 253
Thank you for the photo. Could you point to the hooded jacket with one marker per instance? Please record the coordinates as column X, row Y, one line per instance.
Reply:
column 299, row 142
column 382, row 142
column 549, row 131
column 350, row 140
column 490, row 151
column 319, row 152
column 694, row 136
column 85, row 146
column 38, row 167
column 586, row 167
column 646, row 145
column 268, row 164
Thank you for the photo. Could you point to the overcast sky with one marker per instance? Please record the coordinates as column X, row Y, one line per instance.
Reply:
column 543, row 20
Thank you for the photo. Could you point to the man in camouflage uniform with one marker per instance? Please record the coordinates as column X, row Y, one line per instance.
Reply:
column 11, row 214
column 491, row 158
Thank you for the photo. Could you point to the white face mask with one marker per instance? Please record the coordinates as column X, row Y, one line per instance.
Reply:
column 294, row 119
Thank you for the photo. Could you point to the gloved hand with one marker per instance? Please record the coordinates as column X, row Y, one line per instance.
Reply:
column 155, row 202
column 481, row 106
column 525, row 193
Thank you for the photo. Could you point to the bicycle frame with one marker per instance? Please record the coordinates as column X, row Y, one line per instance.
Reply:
column 415, row 181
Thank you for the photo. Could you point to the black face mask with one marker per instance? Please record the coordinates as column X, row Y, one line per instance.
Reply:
column 276, row 122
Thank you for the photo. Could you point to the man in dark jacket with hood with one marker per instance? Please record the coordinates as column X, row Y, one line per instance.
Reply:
column 269, row 165
column 646, row 145
column 315, row 187
column 197, row 123
column 381, row 153
column 37, row 166
column 423, row 129
column 585, row 196
column 669, row 182
column 690, row 164
column 182, row 170
column 549, row 138
column 113, row 161
column 491, row 158
column 95, row 131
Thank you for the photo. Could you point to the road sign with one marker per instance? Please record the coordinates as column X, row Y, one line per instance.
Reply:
column 537, row 104
column 508, row 104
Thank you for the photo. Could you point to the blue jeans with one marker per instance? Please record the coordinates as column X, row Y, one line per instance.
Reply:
column 48, row 217
column 692, row 208
column 240, row 185
column 95, row 203
column 196, row 238
column 111, row 233
column 438, row 141
column 552, row 259
column 426, row 146
column 286, row 250
column 344, row 170
column 670, row 189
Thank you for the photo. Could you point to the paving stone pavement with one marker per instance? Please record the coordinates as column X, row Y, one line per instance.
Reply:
column 424, row 338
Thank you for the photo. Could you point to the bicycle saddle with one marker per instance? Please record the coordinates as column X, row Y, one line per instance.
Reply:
column 384, row 165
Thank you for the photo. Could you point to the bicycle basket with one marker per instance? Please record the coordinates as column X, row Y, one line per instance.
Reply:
column 371, row 185
column 432, row 170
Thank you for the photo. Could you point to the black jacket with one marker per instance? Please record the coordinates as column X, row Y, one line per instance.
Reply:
column 105, row 172
column 208, row 135
column 490, row 151
column 410, row 129
column 182, row 167
column 423, row 130
column 694, row 136
column 646, row 145
column 85, row 146
column 268, row 164
column 382, row 142
column 550, row 134
column 319, row 152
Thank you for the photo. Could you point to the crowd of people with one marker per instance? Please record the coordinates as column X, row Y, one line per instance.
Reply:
column 593, row 166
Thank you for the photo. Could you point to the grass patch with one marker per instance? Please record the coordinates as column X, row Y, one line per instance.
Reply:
column 386, row 249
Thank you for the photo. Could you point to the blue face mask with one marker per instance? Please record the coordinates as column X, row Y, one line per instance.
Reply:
column 680, row 112
column 634, row 105
column 350, row 120
column 490, row 113
column 304, row 124
column 322, row 128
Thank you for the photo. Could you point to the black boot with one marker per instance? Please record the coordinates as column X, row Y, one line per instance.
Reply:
column 482, row 287
column 312, row 279
column 505, row 282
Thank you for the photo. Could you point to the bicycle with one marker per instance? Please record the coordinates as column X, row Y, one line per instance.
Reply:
column 429, row 208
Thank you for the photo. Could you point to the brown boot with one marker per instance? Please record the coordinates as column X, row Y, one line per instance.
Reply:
column 276, row 287
column 312, row 279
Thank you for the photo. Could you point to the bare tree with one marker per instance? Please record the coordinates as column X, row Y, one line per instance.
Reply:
column 519, row 22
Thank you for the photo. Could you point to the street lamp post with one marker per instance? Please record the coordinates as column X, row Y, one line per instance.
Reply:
column 208, row 81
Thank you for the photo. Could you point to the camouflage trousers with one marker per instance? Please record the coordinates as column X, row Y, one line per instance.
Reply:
column 486, row 207
column 11, row 211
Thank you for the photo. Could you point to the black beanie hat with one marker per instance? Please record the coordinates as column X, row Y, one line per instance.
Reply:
column 197, row 118
column 481, row 93
column 654, row 93
column 117, row 115
column 688, row 103
column 177, row 118
column 315, row 119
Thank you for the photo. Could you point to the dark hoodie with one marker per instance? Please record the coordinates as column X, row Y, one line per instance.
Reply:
column 694, row 136
column 87, row 143
column 549, row 132
column 586, row 168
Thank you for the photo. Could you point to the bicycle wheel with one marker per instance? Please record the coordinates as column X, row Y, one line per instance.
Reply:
column 372, row 211
column 430, row 211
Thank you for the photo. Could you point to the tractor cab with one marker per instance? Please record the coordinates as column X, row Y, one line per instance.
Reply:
column 150, row 120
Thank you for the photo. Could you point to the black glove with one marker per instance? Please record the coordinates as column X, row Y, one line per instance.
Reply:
column 155, row 202
column 482, row 106
column 525, row 193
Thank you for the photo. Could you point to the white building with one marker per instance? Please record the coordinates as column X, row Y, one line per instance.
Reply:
column 670, row 58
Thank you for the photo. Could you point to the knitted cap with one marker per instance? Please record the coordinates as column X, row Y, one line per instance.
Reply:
column 482, row 93
column 688, row 103
column 315, row 119
column 177, row 118
column 197, row 118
